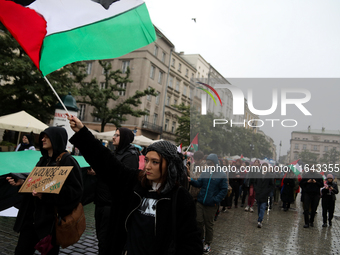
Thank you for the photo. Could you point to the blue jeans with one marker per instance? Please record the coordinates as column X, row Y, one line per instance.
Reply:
column 261, row 208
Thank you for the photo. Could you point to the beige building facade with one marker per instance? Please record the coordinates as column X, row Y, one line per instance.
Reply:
column 313, row 140
column 156, row 66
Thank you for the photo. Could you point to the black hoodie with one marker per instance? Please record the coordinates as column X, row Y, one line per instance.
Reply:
column 311, row 187
column 41, row 212
column 126, row 188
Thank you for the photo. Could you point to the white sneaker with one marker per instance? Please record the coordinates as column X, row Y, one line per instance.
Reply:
column 259, row 225
column 251, row 209
column 247, row 208
column 206, row 248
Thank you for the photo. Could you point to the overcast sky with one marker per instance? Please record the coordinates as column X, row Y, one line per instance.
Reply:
column 263, row 39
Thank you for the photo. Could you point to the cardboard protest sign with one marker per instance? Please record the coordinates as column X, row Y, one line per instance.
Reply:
column 46, row 179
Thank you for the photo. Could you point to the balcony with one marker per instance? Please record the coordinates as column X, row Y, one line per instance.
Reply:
column 151, row 127
column 169, row 136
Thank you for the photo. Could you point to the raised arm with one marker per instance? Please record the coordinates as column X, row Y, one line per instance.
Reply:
column 98, row 156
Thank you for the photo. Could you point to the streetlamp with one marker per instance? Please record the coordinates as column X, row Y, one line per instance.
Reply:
column 280, row 150
column 252, row 146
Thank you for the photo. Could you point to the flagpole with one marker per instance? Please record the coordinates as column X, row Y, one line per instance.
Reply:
column 48, row 82
column 188, row 147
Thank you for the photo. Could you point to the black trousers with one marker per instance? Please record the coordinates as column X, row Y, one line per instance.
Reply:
column 311, row 200
column 28, row 238
column 102, row 218
column 235, row 191
column 244, row 194
column 328, row 205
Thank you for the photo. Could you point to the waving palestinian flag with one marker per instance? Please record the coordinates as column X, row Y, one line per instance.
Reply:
column 295, row 167
column 58, row 32
column 194, row 143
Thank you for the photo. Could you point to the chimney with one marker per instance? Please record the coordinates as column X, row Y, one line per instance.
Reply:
column 181, row 53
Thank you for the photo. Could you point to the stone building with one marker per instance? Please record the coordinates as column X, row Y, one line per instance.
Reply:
column 317, row 141
column 158, row 66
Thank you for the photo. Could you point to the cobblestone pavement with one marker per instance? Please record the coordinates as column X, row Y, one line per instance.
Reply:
column 235, row 232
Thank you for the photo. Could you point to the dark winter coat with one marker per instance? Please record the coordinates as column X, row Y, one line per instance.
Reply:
column 287, row 195
column 310, row 187
column 42, row 211
column 233, row 180
column 214, row 185
column 263, row 186
column 126, row 187
column 129, row 157
column 330, row 194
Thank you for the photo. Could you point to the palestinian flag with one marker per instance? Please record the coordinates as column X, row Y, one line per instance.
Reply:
column 194, row 143
column 242, row 158
column 179, row 148
column 295, row 167
column 55, row 33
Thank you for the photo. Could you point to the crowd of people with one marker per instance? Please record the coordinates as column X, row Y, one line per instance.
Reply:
column 256, row 183
column 166, row 206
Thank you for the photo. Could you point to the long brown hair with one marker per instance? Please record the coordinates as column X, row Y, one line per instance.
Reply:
column 147, row 183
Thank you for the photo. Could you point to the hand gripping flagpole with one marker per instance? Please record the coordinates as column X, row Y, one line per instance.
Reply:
column 48, row 82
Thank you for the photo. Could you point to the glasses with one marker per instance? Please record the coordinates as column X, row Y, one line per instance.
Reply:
column 115, row 135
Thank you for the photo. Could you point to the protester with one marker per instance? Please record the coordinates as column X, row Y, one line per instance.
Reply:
column 288, row 190
column 126, row 153
column 36, row 216
column 26, row 144
column 249, row 183
column 273, row 176
column 214, row 187
column 224, row 202
column 235, row 183
column 263, row 184
column 328, row 200
column 133, row 225
column 311, row 183
column 277, row 183
column 244, row 186
column 222, row 164
column 195, row 172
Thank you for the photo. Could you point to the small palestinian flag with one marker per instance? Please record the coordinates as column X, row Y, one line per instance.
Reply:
column 242, row 158
column 55, row 33
column 194, row 143
column 295, row 167
column 179, row 148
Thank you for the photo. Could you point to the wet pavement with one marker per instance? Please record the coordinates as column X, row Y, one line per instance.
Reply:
column 235, row 232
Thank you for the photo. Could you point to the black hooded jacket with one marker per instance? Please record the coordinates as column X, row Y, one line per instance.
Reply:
column 125, row 186
column 26, row 146
column 41, row 212
column 311, row 187
column 125, row 153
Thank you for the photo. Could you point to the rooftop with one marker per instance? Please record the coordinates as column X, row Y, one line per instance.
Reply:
column 319, row 131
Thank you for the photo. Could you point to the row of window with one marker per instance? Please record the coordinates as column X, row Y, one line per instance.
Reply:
column 167, row 127
column 148, row 97
column 313, row 147
column 326, row 141
column 160, row 74
column 167, row 102
column 125, row 65
column 155, row 52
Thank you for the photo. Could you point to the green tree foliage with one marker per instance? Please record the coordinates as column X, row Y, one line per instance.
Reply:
column 22, row 86
column 331, row 157
column 226, row 140
column 100, row 98
column 183, row 136
column 308, row 157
